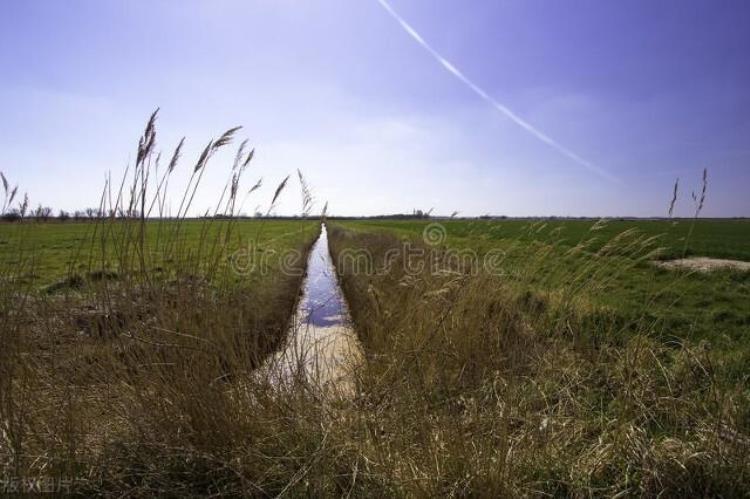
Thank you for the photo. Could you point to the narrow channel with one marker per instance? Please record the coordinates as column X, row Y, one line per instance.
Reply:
column 322, row 349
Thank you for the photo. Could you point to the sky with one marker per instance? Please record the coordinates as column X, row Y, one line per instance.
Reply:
column 503, row 107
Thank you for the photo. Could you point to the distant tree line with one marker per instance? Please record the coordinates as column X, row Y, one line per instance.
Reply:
column 46, row 214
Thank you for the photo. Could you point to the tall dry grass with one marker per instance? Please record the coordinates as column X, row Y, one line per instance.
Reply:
column 519, row 385
column 137, row 375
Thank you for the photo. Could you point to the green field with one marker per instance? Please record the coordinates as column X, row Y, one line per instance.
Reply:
column 713, row 305
column 43, row 253
column 677, row 238
column 580, row 369
column 117, row 348
column 574, row 367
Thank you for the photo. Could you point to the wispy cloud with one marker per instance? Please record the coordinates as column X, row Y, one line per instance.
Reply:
column 490, row 100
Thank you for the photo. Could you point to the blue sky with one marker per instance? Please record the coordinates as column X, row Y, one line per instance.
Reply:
column 640, row 91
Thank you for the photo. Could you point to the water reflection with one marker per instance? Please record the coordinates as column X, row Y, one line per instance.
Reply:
column 322, row 301
column 322, row 350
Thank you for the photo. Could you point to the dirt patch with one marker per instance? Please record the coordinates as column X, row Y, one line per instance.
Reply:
column 704, row 264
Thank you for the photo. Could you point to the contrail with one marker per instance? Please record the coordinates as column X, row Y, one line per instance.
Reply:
column 484, row 95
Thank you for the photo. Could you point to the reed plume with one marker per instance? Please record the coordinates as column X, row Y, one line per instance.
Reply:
column 5, row 188
column 698, row 202
column 148, row 139
column 254, row 188
column 24, row 205
column 307, row 198
column 240, row 153
column 226, row 138
column 674, row 196
column 9, row 195
column 249, row 158
column 176, row 156
column 277, row 193
column 203, row 158
column 702, row 199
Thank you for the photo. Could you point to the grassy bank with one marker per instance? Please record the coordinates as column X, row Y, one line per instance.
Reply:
column 538, row 360
column 484, row 383
column 694, row 305
column 512, row 383
column 122, row 380
column 725, row 238
column 128, row 346
column 475, row 383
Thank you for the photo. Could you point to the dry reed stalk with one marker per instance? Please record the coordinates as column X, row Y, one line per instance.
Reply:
column 698, row 202
column 307, row 198
column 674, row 197
column 490, row 374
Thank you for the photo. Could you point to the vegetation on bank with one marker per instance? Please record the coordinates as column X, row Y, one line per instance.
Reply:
column 677, row 238
column 694, row 305
column 128, row 344
column 518, row 384
column 44, row 254
column 570, row 367
column 524, row 384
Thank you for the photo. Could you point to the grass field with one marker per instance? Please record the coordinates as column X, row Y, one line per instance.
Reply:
column 522, row 359
column 43, row 253
column 109, row 363
column 580, row 370
column 130, row 345
column 714, row 306
column 676, row 238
